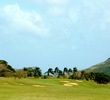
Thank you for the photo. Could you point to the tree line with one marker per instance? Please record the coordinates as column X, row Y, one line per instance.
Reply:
column 67, row 73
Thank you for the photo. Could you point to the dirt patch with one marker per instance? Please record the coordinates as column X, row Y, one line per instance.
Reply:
column 41, row 86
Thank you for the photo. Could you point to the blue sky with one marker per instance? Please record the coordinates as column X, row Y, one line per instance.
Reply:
column 54, row 33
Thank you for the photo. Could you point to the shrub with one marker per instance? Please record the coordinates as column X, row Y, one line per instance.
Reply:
column 101, row 78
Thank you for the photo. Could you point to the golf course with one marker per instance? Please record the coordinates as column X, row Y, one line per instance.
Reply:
column 52, row 89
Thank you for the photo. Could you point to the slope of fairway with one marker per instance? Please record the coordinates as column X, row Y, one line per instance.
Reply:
column 52, row 89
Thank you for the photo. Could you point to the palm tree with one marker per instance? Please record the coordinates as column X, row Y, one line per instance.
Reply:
column 70, row 71
column 50, row 71
column 65, row 70
column 56, row 71
column 60, row 73
column 75, row 70
column 75, row 73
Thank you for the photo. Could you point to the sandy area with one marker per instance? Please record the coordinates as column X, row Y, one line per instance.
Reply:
column 39, row 85
column 67, row 83
column 79, row 81
column 70, row 84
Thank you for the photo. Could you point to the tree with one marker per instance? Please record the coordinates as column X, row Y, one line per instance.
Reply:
column 75, row 70
column 6, row 69
column 30, row 71
column 101, row 78
column 75, row 75
column 56, row 71
column 3, row 62
column 60, row 74
column 20, row 73
column 37, row 72
column 83, row 74
column 70, row 71
column 10, row 68
column 50, row 71
column 65, row 70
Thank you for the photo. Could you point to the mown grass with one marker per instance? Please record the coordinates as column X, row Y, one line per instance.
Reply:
column 53, row 89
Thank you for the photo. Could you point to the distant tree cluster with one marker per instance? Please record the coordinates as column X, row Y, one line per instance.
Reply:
column 100, row 78
column 65, row 73
column 68, row 73
column 5, row 69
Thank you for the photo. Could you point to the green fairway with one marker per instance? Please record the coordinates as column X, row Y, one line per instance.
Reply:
column 52, row 89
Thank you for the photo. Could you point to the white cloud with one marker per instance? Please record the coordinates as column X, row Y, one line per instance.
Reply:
column 92, row 14
column 18, row 20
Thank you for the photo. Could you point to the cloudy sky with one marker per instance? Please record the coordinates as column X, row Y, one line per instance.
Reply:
column 54, row 33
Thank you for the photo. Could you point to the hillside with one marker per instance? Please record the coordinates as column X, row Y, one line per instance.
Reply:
column 103, row 67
